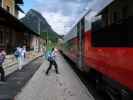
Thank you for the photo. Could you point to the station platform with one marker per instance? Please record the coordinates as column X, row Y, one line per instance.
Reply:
column 63, row 86
column 18, row 79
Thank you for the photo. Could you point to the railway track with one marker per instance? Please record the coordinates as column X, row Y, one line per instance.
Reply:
column 88, row 82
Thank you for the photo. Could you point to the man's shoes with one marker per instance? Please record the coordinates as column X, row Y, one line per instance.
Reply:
column 57, row 73
column 46, row 73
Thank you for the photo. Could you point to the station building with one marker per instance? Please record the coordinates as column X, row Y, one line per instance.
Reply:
column 12, row 31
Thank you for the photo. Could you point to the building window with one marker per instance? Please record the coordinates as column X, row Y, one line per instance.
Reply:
column 115, row 17
column 0, row 3
column 36, row 42
column 125, row 12
column 8, row 8
column 1, row 37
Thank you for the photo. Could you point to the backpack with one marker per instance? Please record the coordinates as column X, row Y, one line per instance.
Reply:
column 49, row 56
column 17, row 54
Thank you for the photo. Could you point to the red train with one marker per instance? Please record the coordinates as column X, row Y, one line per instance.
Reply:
column 105, row 48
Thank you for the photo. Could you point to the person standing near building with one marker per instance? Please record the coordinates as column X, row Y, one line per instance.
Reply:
column 18, row 55
column 51, row 59
column 2, row 58
column 23, row 53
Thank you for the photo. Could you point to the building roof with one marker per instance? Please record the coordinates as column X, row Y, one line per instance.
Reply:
column 18, row 8
column 9, row 20
column 19, row 1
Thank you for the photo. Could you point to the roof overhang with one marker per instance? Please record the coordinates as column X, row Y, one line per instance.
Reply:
column 19, row 9
column 19, row 1
column 9, row 20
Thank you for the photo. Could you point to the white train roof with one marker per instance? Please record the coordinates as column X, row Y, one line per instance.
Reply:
column 73, row 31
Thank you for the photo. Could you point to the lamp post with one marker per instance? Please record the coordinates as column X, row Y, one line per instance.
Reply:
column 47, row 39
column 39, row 31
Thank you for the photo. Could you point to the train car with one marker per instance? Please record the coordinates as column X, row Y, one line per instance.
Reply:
column 73, row 42
column 71, row 45
column 105, row 48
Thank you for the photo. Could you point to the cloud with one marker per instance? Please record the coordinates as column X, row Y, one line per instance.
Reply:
column 57, row 21
column 61, row 14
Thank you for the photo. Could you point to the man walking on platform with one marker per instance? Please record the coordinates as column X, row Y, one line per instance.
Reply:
column 51, row 59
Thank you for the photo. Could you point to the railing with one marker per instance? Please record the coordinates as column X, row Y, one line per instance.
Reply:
column 10, row 63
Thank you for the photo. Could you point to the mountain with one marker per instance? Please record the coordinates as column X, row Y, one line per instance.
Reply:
column 36, row 22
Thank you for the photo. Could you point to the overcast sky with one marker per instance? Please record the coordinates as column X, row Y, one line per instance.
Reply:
column 61, row 14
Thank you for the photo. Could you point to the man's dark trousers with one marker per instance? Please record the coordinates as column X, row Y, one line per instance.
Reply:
column 52, row 62
column 2, row 73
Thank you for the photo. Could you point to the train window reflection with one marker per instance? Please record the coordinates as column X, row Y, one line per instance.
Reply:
column 119, row 34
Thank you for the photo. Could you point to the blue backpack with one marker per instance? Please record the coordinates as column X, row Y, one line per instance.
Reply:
column 49, row 56
column 17, row 54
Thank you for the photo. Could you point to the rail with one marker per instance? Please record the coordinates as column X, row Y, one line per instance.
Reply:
column 10, row 63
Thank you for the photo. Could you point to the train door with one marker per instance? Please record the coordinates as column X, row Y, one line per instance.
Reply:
column 80, row 32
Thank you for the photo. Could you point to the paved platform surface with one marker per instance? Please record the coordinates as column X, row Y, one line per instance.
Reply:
column 63, row 86
column 15, row 81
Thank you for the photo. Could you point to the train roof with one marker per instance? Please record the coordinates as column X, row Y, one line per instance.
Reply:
column 104, row 6
column 79, row 19
column 71, row 34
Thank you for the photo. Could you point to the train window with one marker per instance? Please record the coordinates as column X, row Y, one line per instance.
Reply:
column 116, row 35
column 115, row 16
column 78, row 33
column 78, row 28
column 125, row 12
column 106, row 17
column 87, row 23
column 82, row 25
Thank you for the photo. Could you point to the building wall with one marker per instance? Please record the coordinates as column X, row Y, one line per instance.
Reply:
column 10, row 39
column 119, row 9
column 9, row 5
column 7, row 37
column 35, row 43
column 23, row 39
column 16, row 13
